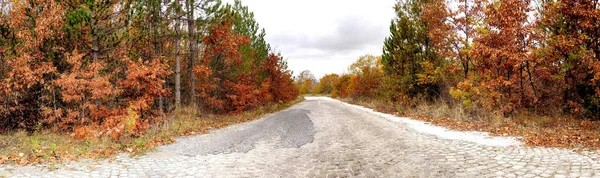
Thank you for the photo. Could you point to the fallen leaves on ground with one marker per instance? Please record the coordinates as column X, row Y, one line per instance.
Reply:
column 542, row 131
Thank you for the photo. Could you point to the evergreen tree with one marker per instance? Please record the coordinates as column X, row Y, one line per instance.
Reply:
column 409, row 60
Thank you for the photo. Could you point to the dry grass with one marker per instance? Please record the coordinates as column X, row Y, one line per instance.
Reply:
column 26, row 148
column 46, row 147
column 535, row 130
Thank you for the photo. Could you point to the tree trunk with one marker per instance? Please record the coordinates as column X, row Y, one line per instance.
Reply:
column 2, row 68
column 158, row 46
column 177, row 66
column 95, row 43
column 467, row 33
column 95, row 51
column 192, row 51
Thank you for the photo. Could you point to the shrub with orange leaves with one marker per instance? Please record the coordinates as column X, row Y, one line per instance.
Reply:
column 340, row 87
column 229, row 81
column 92, row 100
column 216, row 82
column 26, row 86
column 325, row 85
column 367, row 83
column 281, row 85
column 142, row 85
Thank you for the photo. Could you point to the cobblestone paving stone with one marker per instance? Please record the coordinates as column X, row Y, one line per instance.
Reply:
column 348, row 143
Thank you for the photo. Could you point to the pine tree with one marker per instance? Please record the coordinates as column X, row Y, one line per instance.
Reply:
column 409, row 60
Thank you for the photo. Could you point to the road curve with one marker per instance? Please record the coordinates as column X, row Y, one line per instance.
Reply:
column 321, row 137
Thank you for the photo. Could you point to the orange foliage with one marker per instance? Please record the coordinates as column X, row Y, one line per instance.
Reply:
column 53, row 84
column 142, row 85
column 225, row 82
column 26, row 86
column 218, row 90
column 340, row 87
column 569, row 61
column 112, row 108
column 367, row 83
column 365, row 80
column 280, row 81
column 98, row 69
column 84, row 92
column 325, row 85
column 500, row 55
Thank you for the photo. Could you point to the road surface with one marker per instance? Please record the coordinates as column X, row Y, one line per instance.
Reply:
column 322, row 137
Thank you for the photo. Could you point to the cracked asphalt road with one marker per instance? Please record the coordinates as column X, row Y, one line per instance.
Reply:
column 287, row 129
column 321, row 137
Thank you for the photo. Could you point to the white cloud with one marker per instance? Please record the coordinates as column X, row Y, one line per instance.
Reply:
column 323, row 36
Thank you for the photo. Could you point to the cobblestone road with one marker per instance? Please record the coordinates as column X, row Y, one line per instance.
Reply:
column 347, row 142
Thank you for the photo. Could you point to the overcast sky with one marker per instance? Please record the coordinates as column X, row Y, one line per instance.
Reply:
column 323, row 36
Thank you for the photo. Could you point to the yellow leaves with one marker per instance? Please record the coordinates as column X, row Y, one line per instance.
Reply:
column 131, row 119
column 366, row 61
column 463, row 96
column 430, row 74
column 325, row 85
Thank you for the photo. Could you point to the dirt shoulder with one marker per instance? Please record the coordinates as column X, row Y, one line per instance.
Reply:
column 533, row 130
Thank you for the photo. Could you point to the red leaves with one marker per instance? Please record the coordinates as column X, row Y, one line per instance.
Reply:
column 366, row 84
column 229, row 81
column 366, row 78
column 53, row 83
column 280, row 84
column 340, row 87
column 26, row 87
column 500, row 54
column 218, row 90
column 130, row 117
column 569, row 28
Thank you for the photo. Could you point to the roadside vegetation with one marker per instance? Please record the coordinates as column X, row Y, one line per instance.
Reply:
column 56, row 148
column 95, row 78
column 510, row 67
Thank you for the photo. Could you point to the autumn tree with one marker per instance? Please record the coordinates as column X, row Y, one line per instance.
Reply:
column 5, row 36
column 325, row 85
column 107, row 90
column 244, row 24
column 570, row 55
column 5, row 43
column 410, row 62
column 257, row 52
column 148, row 35
column 340, row 87
column 27, row 88
column 367, row 76
column 281, row 85
column 101, row 68
column 239, row 71
column 305, row 82
column 463, row 24
column 500, row 55
column 70, row 70
column 366, row 61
